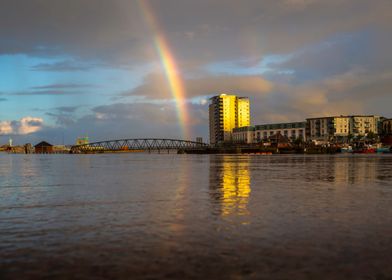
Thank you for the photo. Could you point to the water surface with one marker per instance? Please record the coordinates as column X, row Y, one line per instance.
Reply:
column 196, row 216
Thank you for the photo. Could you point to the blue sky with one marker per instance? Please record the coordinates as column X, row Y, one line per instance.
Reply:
column 92, row 68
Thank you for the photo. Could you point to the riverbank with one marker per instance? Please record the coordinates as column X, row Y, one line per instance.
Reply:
column 262, row 150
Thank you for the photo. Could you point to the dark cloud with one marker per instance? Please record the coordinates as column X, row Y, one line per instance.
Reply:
column 53, row 92
column 124, row 120
column 354, row 92
column 338, row 55
column 205, row 30
column 64, row 115
column 82, row 28
column 154, row 113
column 67, row 109
column 61, row 119
column 65, row 66
column 156, row 86
column 62, row 86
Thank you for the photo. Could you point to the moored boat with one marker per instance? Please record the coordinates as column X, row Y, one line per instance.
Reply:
column 384, row 150
column 365, row 151
column 348, row 149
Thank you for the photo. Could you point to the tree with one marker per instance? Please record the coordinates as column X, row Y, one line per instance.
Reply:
column 371, row 136
column 298, row 141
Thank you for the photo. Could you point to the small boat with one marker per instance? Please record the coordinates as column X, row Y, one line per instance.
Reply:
column 348, row 149
column 383, row 150
column 365, row 151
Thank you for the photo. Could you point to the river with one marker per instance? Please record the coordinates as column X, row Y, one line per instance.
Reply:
column 137, row 216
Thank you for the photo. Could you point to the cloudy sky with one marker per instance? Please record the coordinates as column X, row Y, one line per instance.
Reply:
column 95, row 67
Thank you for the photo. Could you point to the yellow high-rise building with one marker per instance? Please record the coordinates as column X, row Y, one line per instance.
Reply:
column 227, row 112
column 243, row 111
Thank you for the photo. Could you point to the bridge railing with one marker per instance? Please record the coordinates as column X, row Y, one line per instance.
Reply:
column 147, row 144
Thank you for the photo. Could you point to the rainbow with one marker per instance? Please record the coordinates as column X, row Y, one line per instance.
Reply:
column 170, row 67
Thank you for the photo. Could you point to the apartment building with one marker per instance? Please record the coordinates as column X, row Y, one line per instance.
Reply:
column 227, row 112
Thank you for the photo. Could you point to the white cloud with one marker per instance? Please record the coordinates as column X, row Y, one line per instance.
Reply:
column 24, row 126
column 5, row 128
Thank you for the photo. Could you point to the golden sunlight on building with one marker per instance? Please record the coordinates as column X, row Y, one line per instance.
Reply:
column 340, row 127
column 243, row 110
column 225, row 113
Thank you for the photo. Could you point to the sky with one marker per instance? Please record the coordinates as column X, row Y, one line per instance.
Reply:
column 136, row 69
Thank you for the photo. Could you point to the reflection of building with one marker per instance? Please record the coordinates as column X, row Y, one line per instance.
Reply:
column 225, row 113
column 353, row 171
column 341, row 171
column 230, row 181
column 340, row 127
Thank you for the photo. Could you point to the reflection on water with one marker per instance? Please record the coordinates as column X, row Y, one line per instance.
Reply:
column 114, row 216
column 334, row 169
column 230, row 178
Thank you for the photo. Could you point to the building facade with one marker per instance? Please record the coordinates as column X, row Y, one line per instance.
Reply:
column 245, row 134
column 339, row 128
column 387, row 132
column 260, row 133
column 362, row 125
column 293, row 131
column 227, row 112
column 387, row 127
column 320, row 129
column 243, row 112
column 43, row 148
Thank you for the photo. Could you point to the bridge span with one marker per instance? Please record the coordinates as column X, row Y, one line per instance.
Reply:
column 147, row 144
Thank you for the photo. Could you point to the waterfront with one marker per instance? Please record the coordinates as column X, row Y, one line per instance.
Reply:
column 196, row 216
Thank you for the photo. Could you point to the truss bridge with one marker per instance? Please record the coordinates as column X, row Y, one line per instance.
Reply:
column 148, row 144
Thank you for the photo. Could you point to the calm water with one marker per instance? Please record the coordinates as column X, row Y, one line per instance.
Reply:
column 195, row 216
